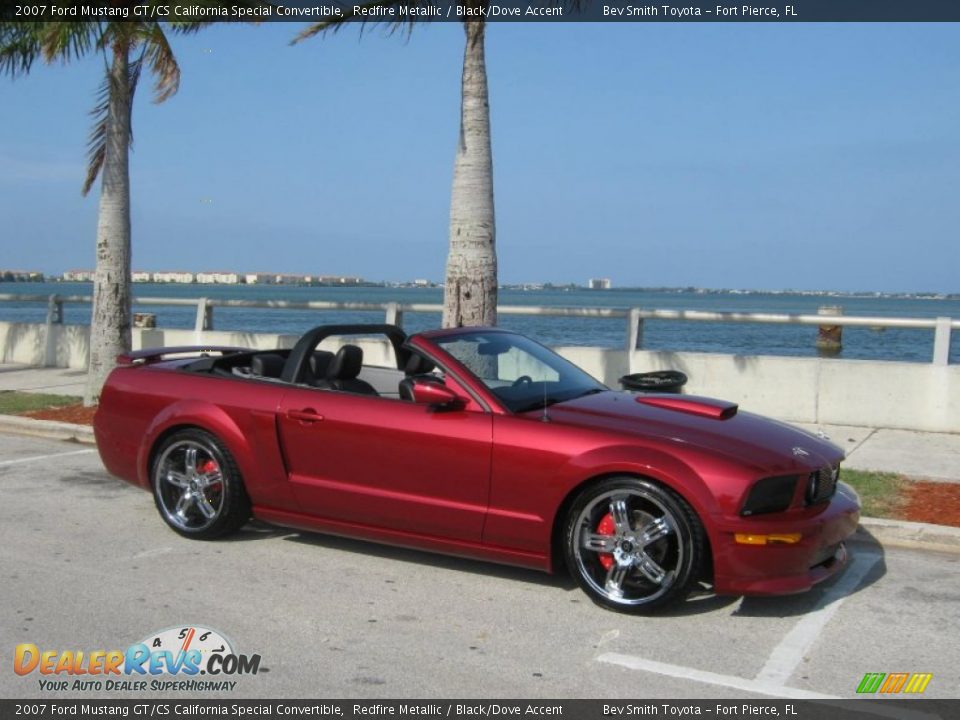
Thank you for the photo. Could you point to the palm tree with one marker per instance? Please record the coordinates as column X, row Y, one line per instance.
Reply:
column 126, row 47
column 470, row 296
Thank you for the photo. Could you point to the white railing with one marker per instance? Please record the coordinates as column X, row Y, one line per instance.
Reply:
column 635, row 317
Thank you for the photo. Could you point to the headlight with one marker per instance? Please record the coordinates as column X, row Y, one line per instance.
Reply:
column 772, row 494
column 821, row 485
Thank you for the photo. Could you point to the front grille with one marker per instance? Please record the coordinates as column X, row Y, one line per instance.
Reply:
column 822, row 484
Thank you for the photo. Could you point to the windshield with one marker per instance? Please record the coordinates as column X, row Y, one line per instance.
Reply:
column 522, row 373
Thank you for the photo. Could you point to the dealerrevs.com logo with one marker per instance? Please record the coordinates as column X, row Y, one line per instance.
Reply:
column 169, row 660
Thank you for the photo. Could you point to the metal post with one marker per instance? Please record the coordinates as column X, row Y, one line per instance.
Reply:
column 830, row 337
column 941, row 342
column 394, row 314
column 55, row 310
column 634, row 336
column 204, row 316
column 634, row 330
column 54, row 318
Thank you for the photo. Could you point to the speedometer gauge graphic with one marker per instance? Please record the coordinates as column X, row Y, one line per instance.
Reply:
column 184, row 638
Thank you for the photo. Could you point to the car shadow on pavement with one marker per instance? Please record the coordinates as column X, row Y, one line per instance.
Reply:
column 794, row 605
column 418, row 557
column 703, row 600
column 258, row 530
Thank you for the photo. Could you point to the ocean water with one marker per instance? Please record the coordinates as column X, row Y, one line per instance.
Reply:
column 736, row 338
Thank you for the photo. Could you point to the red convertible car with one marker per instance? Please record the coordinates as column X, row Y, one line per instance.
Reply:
column 481, row 443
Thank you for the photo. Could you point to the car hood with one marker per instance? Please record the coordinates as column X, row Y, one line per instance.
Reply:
column 707, row 424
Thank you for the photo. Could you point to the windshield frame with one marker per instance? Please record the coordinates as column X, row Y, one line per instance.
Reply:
column 573, row 381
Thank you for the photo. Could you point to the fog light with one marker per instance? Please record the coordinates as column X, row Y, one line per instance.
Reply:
column 767, row 539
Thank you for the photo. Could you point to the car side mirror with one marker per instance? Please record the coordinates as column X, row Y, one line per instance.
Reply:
column 435, row 394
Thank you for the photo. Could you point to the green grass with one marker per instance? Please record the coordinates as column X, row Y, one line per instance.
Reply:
column 14, row 403
column 881, row 493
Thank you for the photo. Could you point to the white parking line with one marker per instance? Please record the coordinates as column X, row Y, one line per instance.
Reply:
column 730, row 681
column 785, row 656
column 795, row 645
column 45, row 457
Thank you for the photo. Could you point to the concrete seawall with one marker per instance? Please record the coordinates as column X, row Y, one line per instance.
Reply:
column 880, row 394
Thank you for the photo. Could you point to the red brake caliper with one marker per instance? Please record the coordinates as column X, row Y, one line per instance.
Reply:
column 606, row 527
column 208, row 467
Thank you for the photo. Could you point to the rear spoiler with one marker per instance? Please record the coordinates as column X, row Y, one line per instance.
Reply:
column 155, row 355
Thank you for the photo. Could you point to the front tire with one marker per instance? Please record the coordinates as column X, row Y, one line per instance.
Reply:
column 197, row 486
column 633, row 545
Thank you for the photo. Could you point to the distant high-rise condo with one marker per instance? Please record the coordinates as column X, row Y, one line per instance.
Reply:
column 599, row 284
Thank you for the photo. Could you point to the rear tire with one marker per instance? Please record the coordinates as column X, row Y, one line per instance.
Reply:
column 633, row 545
column 197, row 486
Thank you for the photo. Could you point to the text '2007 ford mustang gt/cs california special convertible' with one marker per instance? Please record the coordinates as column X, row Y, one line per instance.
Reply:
column 481, row 443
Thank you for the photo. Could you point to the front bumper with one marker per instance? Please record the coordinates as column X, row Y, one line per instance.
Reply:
column 781, row 569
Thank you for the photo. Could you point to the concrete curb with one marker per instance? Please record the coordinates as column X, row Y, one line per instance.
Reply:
column 46, row 429
column 905, row 534
column 877, row 531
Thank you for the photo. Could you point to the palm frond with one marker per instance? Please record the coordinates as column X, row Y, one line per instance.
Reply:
column 19, row 47
column 66, row 41
column 97, row 140
column 163, row 63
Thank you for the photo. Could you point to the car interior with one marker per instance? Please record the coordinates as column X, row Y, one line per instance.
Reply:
column 342, row 371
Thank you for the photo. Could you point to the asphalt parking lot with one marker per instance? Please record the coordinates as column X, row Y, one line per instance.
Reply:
column 86, row 564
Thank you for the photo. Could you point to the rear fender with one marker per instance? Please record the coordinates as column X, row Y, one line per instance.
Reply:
column 205, row 416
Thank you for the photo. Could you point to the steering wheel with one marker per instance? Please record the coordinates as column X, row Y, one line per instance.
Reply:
column 522, row 380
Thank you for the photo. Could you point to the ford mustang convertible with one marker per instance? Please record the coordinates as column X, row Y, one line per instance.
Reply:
column 480, row 443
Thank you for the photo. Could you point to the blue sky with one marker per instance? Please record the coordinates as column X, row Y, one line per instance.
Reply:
column 812, row 156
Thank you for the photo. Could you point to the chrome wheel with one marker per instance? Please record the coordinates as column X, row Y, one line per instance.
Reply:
column 632, row 544
column 189, row 484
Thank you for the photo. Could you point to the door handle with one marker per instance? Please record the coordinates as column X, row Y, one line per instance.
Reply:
column 305, row 416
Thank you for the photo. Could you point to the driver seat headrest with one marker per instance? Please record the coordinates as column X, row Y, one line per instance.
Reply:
column 346, row 364
column 418, row 365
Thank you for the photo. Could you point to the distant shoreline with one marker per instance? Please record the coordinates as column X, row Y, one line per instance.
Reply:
column 537, row 287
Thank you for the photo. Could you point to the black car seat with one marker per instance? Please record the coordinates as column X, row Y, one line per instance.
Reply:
column 343, row 370
column 416, row 365
column 267, row 365
column 317, row 369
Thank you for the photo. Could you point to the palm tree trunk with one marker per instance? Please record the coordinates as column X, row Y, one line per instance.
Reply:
column 110, row 322
column 470, row 297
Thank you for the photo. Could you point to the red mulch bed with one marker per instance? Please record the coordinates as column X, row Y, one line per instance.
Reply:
column 932, row 502
column 76, row 414
column 928, row 502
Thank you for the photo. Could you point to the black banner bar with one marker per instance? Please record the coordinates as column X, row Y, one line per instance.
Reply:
column 387, row 11
column 183, row 709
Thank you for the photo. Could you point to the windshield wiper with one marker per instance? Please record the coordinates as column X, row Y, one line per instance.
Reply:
column 545, row 402
column 591, row 391
column 538, row 404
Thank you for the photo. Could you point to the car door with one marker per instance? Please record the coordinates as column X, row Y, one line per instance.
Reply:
column 387, row 463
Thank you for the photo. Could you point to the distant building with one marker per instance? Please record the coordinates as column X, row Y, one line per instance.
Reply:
column 218, row 278
column 21, row 276
column 173, row 276
column 290, row 279
column 78, row 276
column 599, row 284
column 420, row 282
column 141, row 276
column 338, row 280
column 260, row 278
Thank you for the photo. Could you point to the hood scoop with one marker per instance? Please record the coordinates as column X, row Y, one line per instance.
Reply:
column 691, row 404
